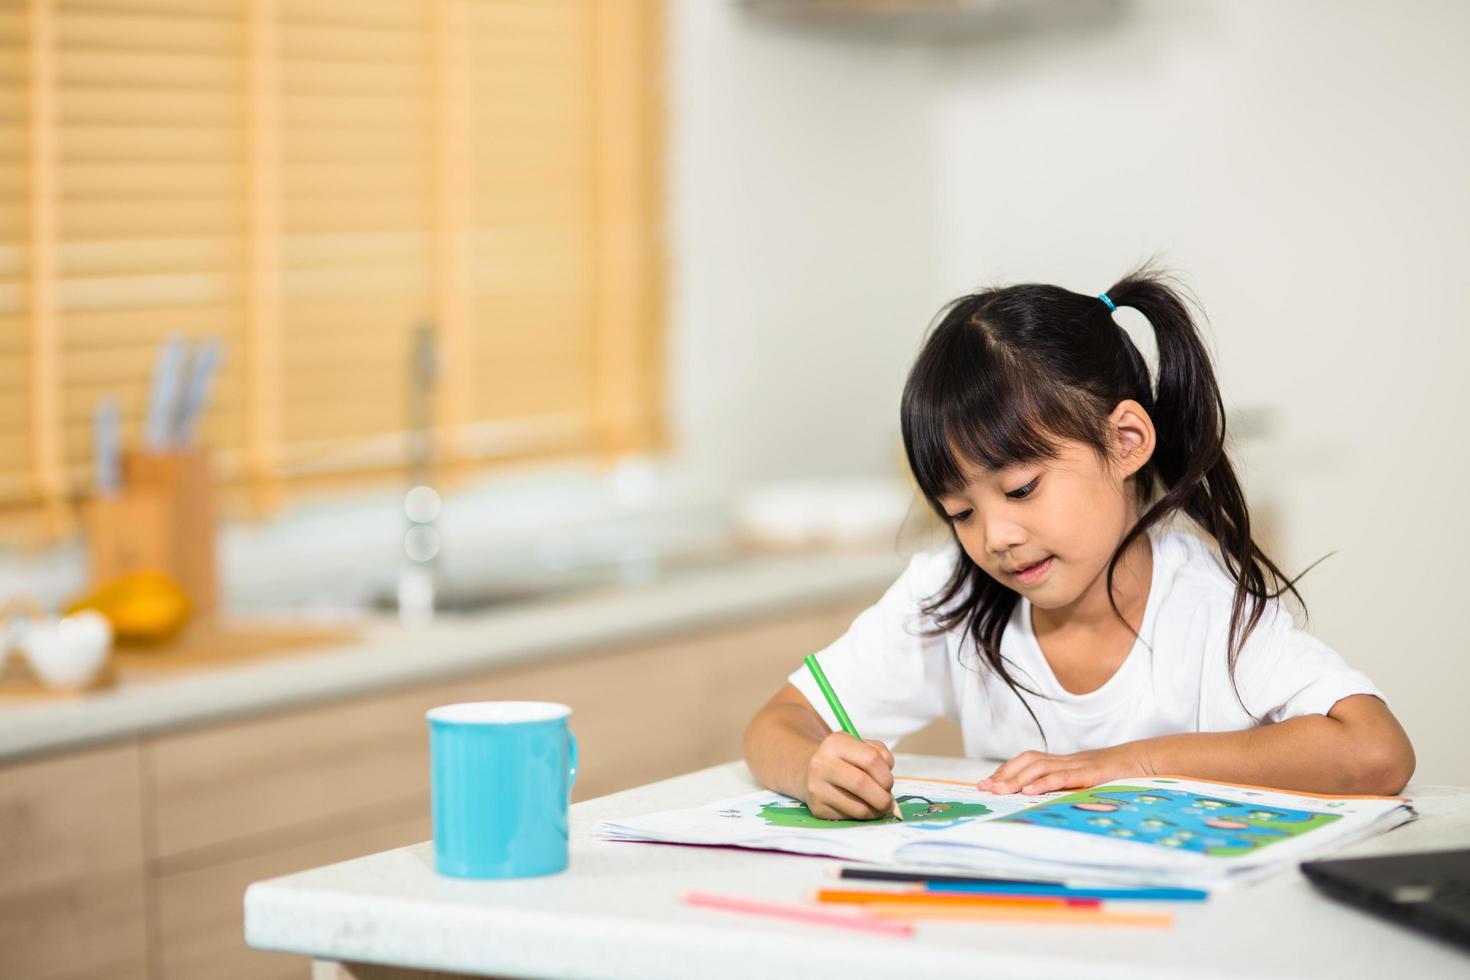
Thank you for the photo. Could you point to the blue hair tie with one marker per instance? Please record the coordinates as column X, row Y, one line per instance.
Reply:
column 1112, row 308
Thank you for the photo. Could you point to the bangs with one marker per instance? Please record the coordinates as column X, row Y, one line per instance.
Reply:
column 969, row 401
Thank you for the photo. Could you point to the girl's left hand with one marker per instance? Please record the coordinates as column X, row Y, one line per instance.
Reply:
column 1033, row 772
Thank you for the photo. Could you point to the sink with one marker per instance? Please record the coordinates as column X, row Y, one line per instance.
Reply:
column 462, row 595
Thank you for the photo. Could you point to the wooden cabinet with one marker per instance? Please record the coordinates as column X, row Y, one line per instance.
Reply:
column 160, row 838
column 72, row 886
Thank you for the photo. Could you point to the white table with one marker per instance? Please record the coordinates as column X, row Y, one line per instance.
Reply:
column 616, row 913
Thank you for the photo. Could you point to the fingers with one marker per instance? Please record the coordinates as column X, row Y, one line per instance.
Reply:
column 883, row 750
column 861, row 784
column 1062, row 779
column 850, row 779
column 835, row 803
column 1024, row 778
column 872, row 758
column 1004, row 779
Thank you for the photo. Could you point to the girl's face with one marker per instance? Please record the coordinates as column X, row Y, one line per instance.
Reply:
column 1047, row 530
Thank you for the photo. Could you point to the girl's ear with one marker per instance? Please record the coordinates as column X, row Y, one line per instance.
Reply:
column 1133, row 435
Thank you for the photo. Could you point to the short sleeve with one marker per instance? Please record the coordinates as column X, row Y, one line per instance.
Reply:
column 890, row 671
column 1285, row 672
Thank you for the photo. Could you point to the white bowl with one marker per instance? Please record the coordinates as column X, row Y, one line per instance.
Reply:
column 70, row 651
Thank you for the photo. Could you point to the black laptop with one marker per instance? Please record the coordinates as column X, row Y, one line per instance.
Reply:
column 1429, row 891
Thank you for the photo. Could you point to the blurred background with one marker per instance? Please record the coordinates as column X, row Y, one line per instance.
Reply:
column 458, row 347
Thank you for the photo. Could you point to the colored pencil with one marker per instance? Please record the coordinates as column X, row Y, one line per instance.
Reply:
column 1112, row 894
column 918, row 877
column 983, row 913
column 920, row 897
column 832, row 700
column 797, row 913
column 838, row 710
column 1019, row 886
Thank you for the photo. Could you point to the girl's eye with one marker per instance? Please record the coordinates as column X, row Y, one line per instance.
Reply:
column 1021, row 493
column 961, row 517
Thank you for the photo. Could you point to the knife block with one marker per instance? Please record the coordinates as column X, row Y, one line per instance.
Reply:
column 162, row 519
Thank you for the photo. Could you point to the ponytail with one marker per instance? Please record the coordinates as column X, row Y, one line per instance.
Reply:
column 1190, row 463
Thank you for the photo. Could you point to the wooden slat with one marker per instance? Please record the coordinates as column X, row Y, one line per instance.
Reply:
column 162, row 144
column 12, row 27
column 15, row 214
column 134, row 181
column 179, row 289
column 394, row 116
column 12, row 97
column 627, row 272
column 353, row 282
column 162, row 69
column 124, row 105
column 264, row 227
column 340, row 315
column 85, row 28
column 316, row 214
column 351, row 16
column 454, row 193
column 311, row 72
column 149, row 8
column 527, row 20
column 220, row 254
column 370, row 177
column 168, row 218
column 47, row 461
column 130, row 326
column 76, row 435
column 13, row 301
column 325, row 44
column 331, row 145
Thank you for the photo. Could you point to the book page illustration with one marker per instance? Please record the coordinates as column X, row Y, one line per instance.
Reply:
column 1175, row 819
column 915, row 810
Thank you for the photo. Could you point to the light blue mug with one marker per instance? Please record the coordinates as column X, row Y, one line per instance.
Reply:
column 501, row 777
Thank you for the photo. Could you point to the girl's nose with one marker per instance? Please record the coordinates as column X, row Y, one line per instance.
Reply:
column 1002, row 535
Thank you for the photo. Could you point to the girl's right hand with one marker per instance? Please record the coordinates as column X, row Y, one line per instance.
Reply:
column 850, row 780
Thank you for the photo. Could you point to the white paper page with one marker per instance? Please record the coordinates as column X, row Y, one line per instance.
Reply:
column 773, row 821
column 1160, row 829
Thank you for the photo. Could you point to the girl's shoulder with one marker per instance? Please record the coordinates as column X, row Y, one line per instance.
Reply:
column 1197, row 587
column 1190, row 563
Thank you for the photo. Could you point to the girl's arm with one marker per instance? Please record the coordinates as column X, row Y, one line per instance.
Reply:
column 790, row 749
column 1358, row 747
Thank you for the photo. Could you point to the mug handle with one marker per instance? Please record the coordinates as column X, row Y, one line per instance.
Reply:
column 572, row 771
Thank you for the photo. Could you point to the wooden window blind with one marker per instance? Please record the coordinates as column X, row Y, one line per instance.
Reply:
column 315, row 182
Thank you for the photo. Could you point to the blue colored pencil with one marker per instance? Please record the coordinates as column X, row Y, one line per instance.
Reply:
column 1120, row 894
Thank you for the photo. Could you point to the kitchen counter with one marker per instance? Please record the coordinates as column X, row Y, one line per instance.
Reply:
column 389, row 656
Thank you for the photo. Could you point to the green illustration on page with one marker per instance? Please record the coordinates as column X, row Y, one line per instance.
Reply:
column 915, row 809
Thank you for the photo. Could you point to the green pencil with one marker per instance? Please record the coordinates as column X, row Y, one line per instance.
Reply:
column 837, row 709
column 831, row 696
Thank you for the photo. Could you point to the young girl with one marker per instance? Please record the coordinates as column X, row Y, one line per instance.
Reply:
column 1067, row 628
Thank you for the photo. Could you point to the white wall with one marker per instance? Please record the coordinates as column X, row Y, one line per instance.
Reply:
column 802, row 241
column 1303, row 164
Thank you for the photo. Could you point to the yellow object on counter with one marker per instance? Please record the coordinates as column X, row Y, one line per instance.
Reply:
column 146, row 607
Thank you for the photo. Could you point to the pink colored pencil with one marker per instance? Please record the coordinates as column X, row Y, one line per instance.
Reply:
column 798, row 913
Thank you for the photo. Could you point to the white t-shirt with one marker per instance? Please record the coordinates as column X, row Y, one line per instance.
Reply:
column 894, row 679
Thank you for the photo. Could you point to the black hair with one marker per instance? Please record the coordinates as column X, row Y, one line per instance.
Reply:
column 1008, row 373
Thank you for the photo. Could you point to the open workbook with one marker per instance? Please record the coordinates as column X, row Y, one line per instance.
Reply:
column 1152, row 830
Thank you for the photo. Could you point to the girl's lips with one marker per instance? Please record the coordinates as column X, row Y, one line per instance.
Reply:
column 1034, row 574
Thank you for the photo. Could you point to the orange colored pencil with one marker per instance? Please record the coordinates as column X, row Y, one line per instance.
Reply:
column 981, row 913
column 941, row 899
